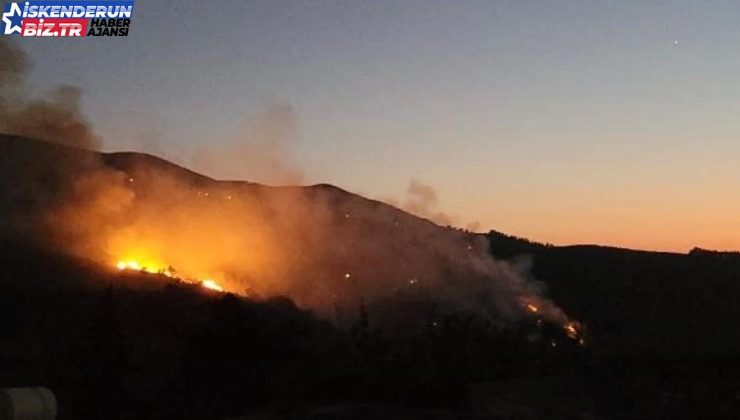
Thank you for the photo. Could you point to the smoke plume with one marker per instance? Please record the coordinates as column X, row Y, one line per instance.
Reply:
column 262, row 150
column 325, row 248
column 56, row 117
column 421, row 200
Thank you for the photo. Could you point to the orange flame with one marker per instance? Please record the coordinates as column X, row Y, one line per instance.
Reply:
column 571, row 330
column 133, row 265
column 210, row 284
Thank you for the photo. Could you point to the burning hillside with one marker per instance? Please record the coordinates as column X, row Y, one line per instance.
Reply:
column 325, row 248
column 135, row 266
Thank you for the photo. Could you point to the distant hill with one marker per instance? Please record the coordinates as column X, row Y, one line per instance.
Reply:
column 656, row 304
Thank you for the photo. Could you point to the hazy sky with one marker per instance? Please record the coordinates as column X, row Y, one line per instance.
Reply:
column 614, row 122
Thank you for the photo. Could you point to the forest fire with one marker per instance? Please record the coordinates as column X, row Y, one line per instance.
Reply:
column 210, row 284
column 128, row 265
column 131, row 265
column 573, row 329
column 147, row 268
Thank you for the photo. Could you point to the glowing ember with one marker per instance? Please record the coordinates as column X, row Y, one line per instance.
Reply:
column 571, row 330
column 210, row 284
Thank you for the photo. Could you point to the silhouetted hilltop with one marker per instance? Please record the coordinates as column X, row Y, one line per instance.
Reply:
column 637, row 302
column 28, row 164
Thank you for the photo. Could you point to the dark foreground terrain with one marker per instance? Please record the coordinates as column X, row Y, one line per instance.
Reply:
column 113, row 349
column 662, row 326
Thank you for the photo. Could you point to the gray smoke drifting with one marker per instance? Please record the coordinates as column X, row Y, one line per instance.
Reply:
column 262, row 151
column 56, row 117
column 325, row 248
column 421, row 200
column 13, row 65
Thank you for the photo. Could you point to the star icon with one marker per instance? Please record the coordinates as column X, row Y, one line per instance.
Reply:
column 12, row 19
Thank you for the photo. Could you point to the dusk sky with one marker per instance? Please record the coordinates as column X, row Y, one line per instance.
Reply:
column 610, row 122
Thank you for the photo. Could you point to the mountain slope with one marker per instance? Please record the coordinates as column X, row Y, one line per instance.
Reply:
column 661, row 328
column 324, row 247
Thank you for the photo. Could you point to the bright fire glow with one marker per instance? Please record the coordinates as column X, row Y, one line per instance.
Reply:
column 128, row 265
column 210, row 284
column 571, row 330
column 132, row 265
column 145, row 267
